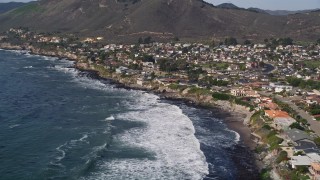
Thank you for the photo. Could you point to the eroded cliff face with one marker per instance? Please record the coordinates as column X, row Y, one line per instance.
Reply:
column 10, row 46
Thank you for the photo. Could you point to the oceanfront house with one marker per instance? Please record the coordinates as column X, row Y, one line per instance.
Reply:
column 276, row 87
column 315, row 170
column 244, row 93
column 268, row 105
column 281, row 119
column 313, row 100
column 148, row 65
column 121, row 70
column 301, row 141
column 167, row 81
column 306, row 160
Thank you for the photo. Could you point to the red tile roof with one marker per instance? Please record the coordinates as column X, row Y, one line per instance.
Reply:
column 275, row 114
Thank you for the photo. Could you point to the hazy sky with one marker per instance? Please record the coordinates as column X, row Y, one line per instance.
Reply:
column 263, row 4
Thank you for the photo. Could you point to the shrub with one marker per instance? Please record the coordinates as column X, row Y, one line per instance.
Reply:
column 265, row 174
column 221, row 96
column 283, row 156
column 273, row 140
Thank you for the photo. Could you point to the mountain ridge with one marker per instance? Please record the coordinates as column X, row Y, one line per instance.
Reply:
column 271, row 12
column 5, row 7
column 122, row 20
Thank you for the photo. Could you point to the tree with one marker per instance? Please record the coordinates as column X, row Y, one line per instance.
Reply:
column 230, row 41
column 135, row 67
column 140, row 40
column 167, row 65
column 176, row 38
column 296, row 125
column 265, row 174
column 148, row 58
column 212, row 43
column 221, row 96
column 261, row 64
column 283, row 156
column 247, row 42
column 318, row 41
column 102, row 56
column 282, row 41
column 242, row 67
column 286, row 41
column 153, row 75
column 147, row 40
column 317, row 141
column 185, row 50
column 181, row 64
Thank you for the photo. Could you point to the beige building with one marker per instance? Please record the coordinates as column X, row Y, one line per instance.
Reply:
column 244, row 93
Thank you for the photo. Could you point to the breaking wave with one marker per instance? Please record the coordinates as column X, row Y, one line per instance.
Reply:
column 168, row 134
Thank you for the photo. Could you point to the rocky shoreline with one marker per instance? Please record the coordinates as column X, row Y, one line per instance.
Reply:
column 235, row 116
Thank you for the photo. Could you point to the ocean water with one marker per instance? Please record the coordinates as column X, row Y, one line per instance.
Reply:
column 58, row 123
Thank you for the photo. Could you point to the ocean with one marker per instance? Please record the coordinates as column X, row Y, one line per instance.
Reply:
column 59, row 123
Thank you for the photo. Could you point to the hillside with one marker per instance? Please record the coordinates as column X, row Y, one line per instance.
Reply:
column 5, row 7
column 125, row 20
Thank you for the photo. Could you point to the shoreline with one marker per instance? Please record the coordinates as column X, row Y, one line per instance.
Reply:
column 222, row 110
column 230, row 117
column 235, row 118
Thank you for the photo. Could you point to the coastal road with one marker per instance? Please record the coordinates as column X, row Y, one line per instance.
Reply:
column 314, row 125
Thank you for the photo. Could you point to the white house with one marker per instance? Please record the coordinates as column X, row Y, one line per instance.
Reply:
column 121, row 70
column 280, row 87
column 304, row 160
column 283, row 122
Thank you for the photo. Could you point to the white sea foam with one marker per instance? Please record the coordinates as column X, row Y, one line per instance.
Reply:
column 64, row 148
column 89, row 83
column 28, row 67
column 61, row 152
column 13, row 126
column 212, row 138
column 85, row 82
column 168, row 134
column 82, row 139
column 237, row 139
column 48, row 58
column 99, row 148
column 18, row 51
column 85, row 136
column 65, row 69
column 237, row 135
column 111, row 118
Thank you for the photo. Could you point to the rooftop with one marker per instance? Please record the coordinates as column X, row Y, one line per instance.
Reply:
column 277, row 114
column 270, row 105
column 316, row 166
column 300, row 161
column 296, row 135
